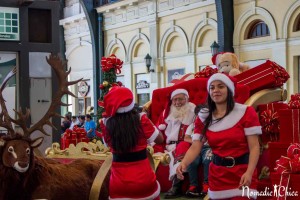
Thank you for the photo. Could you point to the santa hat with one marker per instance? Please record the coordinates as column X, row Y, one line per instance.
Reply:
column 118, row 100
column 179, row 91
column 214, row 58
column 227, row 80
column 168, row 105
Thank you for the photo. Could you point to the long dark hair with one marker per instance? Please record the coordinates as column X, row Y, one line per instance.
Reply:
column 211, row 105
column 124, row 130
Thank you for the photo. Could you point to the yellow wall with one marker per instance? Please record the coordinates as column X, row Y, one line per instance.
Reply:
column 183, row 38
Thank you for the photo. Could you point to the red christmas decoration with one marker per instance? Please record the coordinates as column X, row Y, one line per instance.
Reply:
column 101, row 86
column 206, row 72
column 111, row 62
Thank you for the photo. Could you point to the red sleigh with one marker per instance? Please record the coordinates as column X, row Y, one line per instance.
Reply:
column 257, row 86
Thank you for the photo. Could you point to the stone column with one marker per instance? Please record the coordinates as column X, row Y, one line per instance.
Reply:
column 155, row 81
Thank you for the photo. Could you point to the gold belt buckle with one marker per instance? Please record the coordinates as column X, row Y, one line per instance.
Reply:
column 233, row 161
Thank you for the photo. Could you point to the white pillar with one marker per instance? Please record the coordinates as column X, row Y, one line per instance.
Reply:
column 127, row 71
column 155, row 81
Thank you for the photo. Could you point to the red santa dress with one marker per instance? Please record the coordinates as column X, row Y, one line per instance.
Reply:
column 135, row 179
column 174, row 131
column 227, row 138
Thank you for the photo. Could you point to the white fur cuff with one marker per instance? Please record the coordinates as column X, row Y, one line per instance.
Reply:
column 162, row 127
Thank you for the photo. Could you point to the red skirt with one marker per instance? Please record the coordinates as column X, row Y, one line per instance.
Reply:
column 134, row 180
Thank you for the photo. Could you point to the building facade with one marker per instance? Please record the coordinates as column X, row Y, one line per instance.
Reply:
column 177, row 34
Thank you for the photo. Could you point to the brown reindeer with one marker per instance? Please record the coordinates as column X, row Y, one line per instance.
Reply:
column 26, row 176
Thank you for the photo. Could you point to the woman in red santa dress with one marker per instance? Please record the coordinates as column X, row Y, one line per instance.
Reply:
column 128, row 132
column 232, row 131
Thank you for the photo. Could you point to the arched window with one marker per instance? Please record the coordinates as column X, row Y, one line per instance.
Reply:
column 258, row 29
column 297, row 24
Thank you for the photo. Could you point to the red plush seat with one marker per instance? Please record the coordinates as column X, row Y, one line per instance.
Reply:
column 197, row 89
column 197, row 92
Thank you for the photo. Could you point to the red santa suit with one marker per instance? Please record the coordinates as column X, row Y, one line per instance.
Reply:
column 174, row 130
column 227, row 138
column 135, row 179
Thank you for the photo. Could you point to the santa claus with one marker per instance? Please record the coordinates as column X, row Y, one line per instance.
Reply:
column 175, row 122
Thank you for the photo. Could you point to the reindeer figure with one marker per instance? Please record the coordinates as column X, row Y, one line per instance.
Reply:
column 26, row 176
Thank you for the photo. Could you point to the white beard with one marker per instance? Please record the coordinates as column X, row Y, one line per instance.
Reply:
column 179, row 112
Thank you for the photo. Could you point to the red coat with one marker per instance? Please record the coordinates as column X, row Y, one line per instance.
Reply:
column 228, row 138
column 135, row 180
column 174, row 130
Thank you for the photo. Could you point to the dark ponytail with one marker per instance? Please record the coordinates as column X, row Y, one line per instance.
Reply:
column 124, row 130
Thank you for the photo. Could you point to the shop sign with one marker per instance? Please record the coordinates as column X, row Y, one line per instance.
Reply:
column 83, row 88
column 142, row 84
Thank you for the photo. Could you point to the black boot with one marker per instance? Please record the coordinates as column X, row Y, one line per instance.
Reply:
column 175, row 190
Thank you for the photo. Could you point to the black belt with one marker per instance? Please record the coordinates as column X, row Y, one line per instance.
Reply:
column 230, row 161
column 130, row 157
column 175, row 142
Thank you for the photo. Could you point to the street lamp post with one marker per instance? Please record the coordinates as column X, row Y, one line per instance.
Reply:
column 148, row 60
column 214, row 48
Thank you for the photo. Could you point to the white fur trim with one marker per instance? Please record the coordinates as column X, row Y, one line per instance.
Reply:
column 203, row 114
column 229, row 121
column 172, row 166
column 153, row 136
column 199, row 137
column 179, row 91
column 173, row 171
column 221, row 77
column 162, row 127
column 170, row 147
column 126, row 108
column 224, row 194
column 255, row 130
column 105, row 120
column 153, row 196
column 190, row 129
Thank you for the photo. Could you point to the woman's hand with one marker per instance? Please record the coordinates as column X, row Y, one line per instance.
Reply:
column 180, row 170
column 245, row 180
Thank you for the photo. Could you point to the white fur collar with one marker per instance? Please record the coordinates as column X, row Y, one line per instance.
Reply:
column 229, row 121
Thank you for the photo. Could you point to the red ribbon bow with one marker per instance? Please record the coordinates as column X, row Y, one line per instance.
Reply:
column 111, row 62
column 287, row 165
column 206, row 72
column 270, row 123
column 294, row 103
column 280, row 74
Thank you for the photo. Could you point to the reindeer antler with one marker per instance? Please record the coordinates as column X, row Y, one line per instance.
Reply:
column 58, row 67
column 5, row 119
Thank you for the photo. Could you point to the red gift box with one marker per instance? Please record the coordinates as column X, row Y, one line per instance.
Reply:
column 293, row 187
column 64, row 142
column 79, row 130
column 274, row 151
column 73, row 141
column 289, row 121
column 269, row 119
column 73, row 135
column 264, row 76
column 272, row 106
